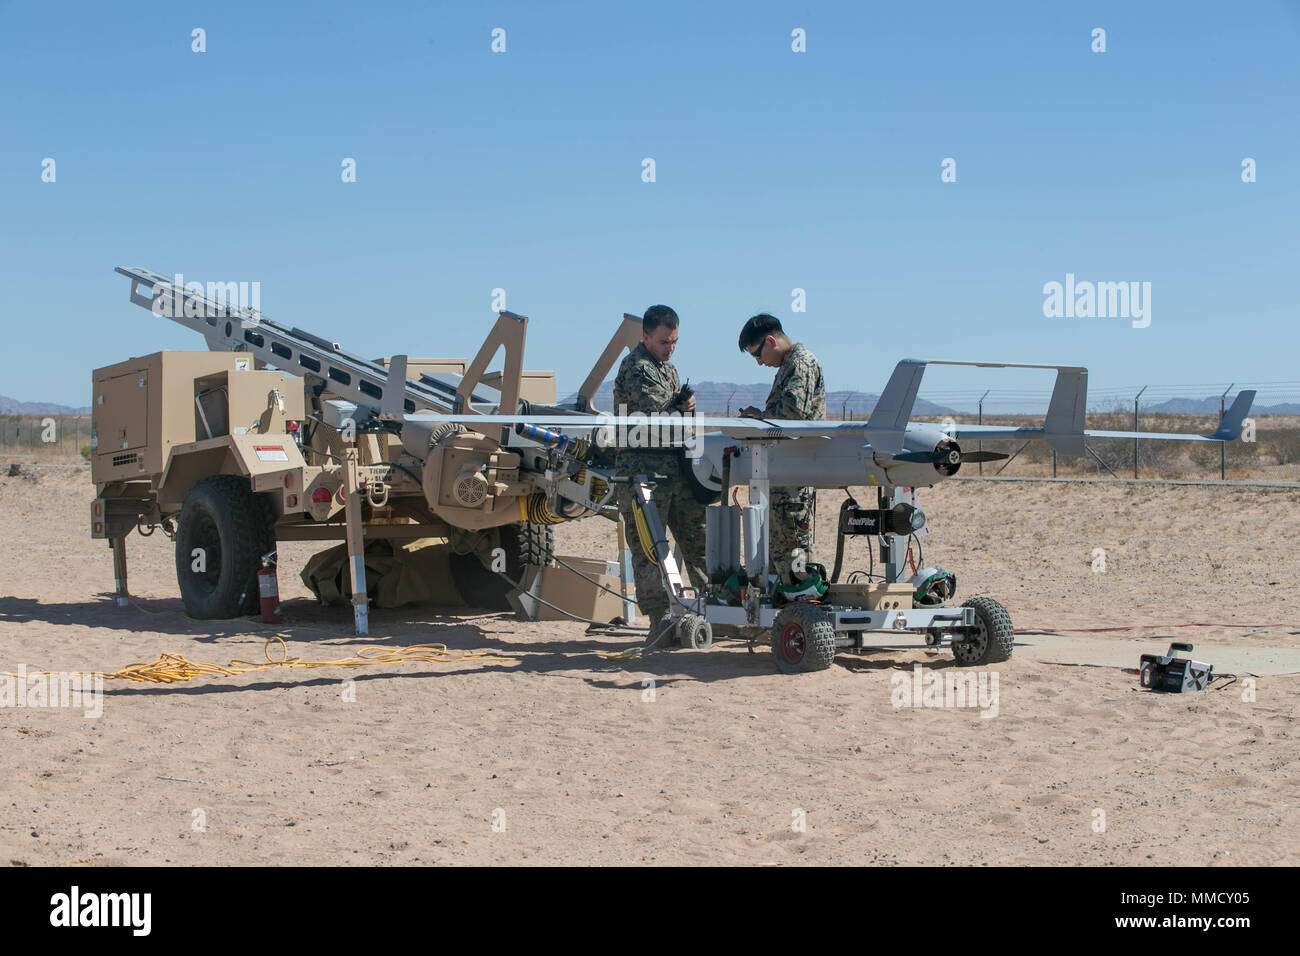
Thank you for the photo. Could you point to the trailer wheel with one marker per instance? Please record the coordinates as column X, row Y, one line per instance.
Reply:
column 695, row 633
column 803, row 638
column 524, row 543
column 224, row 530
column 993, row 639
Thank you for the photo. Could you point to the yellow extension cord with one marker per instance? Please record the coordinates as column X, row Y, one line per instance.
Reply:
column 175, row 668
column 643, row 535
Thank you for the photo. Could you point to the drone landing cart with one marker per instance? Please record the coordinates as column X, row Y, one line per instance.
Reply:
column 806, row 632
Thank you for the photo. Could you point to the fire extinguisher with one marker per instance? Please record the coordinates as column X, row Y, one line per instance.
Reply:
column 269, row 590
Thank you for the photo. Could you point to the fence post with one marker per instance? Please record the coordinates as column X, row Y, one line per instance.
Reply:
column 1223, row 445
column 1135, row 428
column 981, row 421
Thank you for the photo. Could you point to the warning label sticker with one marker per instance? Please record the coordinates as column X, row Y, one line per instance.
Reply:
column 270, row 453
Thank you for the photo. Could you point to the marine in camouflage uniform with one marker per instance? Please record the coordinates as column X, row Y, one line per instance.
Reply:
column 798, row 392
column 646, row 385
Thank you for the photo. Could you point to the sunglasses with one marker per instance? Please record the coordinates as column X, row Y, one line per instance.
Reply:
column 757, row 354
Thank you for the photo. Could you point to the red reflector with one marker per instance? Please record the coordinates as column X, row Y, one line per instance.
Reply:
column 321, row 495
column 291, row 427
column 293, row 501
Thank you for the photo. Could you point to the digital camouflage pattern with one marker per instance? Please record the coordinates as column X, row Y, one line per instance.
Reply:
column 646, row 385
column 798, row 393
column 684, row 516
column 791, row 531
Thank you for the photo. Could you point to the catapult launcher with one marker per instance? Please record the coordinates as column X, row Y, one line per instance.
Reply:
column 276, row 434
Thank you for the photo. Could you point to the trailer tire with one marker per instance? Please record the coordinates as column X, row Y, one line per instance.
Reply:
column 803, row 638
column 695, row 633
column 524, row 543
column 994, row 640
column 223, row 531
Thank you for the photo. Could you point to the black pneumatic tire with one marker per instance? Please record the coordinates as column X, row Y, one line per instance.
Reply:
column 524, row 543
column 695, row 633
column 995, row 639
column 233, row 527
column 803, row 638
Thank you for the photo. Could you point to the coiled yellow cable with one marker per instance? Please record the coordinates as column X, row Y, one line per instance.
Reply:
column 643, row 535
column 174, row 668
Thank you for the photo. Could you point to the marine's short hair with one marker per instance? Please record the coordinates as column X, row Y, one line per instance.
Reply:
column 656, row 316
column 758, row 328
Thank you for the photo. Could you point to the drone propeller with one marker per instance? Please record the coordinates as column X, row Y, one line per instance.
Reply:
column 947, row 457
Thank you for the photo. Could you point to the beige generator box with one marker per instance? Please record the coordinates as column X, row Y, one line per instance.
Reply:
column 872, row 597
column 143, row 407
column 534, row 386
column 563, row 588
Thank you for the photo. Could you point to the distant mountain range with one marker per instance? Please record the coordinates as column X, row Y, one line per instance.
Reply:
column 715, row 398
column 1210, row 406
column 11, row 406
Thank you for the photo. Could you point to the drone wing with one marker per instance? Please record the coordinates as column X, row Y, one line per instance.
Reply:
column 886, row 429
column 1229, row 428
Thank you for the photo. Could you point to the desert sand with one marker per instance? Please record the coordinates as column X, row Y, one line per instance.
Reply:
column 558, row 756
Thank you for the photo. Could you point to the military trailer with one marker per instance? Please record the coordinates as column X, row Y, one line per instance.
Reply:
column 278, row 435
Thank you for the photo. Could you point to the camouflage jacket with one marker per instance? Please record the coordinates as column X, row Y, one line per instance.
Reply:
column 798, row 393
column 644, row 384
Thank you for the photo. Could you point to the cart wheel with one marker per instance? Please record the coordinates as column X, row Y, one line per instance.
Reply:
column 695, row 633
column 803, row 638
column 993, row 639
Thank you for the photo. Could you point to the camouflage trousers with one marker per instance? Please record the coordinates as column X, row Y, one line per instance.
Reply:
column 790, row 528
column 681, row 513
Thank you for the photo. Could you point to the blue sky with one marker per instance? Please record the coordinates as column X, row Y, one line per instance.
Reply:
column 775, row 170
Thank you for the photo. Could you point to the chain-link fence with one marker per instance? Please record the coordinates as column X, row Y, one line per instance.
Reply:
column 1269, row 449
column 45, row 437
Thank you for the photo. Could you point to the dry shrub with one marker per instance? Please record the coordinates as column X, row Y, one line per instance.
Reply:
column 1283, row 444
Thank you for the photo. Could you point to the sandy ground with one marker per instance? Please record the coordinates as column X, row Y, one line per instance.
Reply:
column 729, row 763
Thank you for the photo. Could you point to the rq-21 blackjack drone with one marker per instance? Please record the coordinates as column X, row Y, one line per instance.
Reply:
column 810, row 623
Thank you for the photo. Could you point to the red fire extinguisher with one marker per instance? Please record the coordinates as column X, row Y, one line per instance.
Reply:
column 269, row 590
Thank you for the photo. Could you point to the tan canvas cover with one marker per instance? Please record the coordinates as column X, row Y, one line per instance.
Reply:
column 397, row 574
